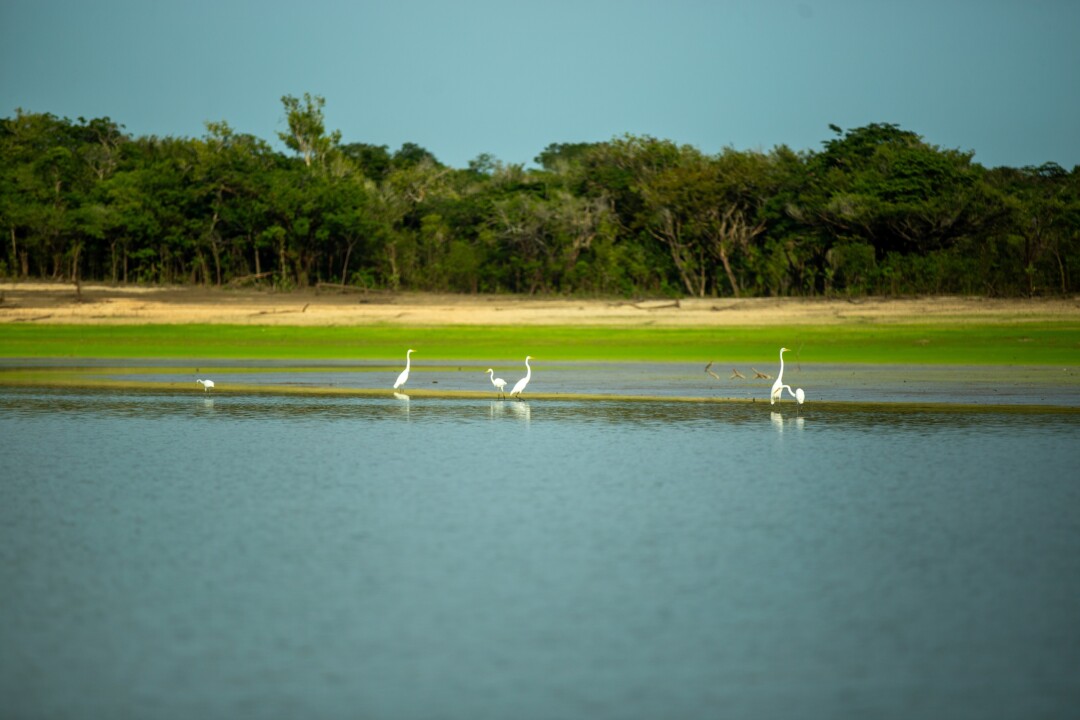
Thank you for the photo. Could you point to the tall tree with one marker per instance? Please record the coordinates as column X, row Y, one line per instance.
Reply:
column 307, row 129
column 229, row 166
column 886, row 186
column 1042, row 206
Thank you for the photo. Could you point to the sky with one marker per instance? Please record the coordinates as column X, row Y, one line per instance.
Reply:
column 507, row 78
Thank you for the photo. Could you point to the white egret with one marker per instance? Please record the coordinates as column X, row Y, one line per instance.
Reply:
column 404, row 376
column 499, row 383
column 798, row 394
column 520, row 386
column 207, row 384
column 778, row 386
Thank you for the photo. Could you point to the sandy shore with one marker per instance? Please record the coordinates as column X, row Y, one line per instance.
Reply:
column 100, row 304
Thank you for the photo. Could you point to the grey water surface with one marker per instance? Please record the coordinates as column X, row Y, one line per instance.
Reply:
column 823, row 382
column 179, row 555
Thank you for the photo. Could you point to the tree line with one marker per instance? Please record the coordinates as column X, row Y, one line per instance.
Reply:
column 877, row 210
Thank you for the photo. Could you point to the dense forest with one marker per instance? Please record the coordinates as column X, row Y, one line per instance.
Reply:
column 876, row 211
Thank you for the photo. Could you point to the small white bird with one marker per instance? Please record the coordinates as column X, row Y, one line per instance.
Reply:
column 520, row 386
column 404, row 376
column 499, row 383
column 798, row 394
column 207, row 384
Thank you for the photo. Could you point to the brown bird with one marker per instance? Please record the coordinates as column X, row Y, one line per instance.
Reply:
column 760, row 375
column 708, row 369
column 736, row 374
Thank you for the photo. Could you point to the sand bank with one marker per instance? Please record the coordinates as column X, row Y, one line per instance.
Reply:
column 101, row 304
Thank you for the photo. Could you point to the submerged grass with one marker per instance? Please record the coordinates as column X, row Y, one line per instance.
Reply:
column 1043, row 343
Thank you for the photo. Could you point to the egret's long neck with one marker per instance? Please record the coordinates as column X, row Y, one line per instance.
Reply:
column 408, row 359
column 781, row 373
column 528, row 370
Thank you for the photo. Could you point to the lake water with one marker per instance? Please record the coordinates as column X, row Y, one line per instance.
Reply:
column 979, row 385
column 178, row 555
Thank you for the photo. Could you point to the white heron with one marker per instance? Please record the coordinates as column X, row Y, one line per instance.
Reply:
column 404, row 376
column 499, row 383
column 206, row 384
column 778, row 386
column 798, row 394
column 520, row 386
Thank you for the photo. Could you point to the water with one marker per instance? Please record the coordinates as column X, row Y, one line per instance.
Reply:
column 979, row 385
column 173, row 555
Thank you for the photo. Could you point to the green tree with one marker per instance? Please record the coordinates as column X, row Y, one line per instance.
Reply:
column 372, row 160
column 307, row 130
column 352, row 218
column 40, row 164
column 877, row 210
column 679, row 202
column 887, row 186
column 411, row 155
column 1042, row 209
column 228, row 171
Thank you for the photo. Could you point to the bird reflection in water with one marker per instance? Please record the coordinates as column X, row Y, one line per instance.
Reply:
column 522, row 410
column 403, row 405
column 777, row 421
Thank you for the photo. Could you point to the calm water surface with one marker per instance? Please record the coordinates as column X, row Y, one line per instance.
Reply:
column 979, row 384
column 167, row 555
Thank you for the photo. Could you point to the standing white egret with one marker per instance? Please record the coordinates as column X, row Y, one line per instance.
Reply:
column 520, row 386
column 499, row 383
column 206, row 384
column 404, row 376
column 778, row 386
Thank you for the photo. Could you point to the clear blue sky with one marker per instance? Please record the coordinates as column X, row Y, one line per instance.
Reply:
column 508, row 77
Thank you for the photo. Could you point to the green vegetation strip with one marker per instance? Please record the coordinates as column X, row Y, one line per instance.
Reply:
column 1049, row 343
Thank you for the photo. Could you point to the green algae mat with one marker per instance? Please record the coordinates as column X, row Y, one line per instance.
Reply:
column 1037, row 343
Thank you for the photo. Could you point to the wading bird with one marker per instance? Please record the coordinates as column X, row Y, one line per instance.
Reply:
column 736, row 374
column 708, row 369
column 206, row 384
column 798, row 394
column 520, row 386
column 778, row 386
column 404, row 376
column 499, row 383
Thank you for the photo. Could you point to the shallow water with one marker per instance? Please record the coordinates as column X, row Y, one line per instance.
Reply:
column 979, row 385
column 177, row 555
